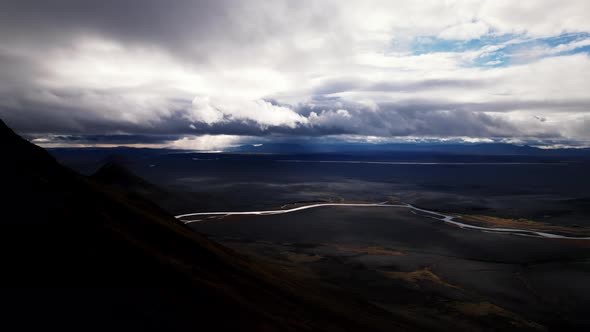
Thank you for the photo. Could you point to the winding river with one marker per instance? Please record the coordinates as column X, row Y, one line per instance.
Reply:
column 432, row 214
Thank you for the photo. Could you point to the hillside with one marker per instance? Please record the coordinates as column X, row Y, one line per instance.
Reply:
column 80, row 255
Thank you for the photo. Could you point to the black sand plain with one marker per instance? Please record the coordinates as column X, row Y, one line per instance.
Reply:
column 407, row 263
column 539, row 280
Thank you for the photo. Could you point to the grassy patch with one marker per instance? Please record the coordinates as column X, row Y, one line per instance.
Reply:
column 484, row 309
column 370, row 250
column 416, row 277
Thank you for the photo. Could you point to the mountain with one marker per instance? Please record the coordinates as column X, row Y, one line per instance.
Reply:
column 115, row 174
column 77, row 254
column 88, row 160
column 474, row 149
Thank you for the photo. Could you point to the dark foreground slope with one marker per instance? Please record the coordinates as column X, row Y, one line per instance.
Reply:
column 76, row 255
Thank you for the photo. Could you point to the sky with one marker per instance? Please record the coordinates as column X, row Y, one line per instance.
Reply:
column 206, row 75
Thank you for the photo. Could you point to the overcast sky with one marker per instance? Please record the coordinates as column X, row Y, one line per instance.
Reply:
column 207, row 74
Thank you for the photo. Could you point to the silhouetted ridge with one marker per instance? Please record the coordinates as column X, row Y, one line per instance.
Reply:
column 19, row 152
column 114, row 173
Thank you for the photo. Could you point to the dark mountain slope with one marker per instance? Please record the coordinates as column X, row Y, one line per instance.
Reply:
column 116, row 176
column 79, row 255
column 114, row 173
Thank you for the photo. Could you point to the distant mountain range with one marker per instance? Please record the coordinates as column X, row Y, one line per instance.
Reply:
column 490, row 149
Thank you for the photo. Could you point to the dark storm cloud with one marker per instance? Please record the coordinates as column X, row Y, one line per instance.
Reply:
column 44, row 112
column 197, row 31
column 16, row 71
column 143, row 21
column 416, row 117
column 104, row 139
column 406, row 120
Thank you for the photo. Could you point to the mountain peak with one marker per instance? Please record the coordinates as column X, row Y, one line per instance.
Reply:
column 113, row 171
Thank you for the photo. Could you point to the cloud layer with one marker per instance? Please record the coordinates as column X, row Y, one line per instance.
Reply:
column 179, row 70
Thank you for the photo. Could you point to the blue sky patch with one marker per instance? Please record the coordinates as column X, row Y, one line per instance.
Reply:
column 506, row 49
